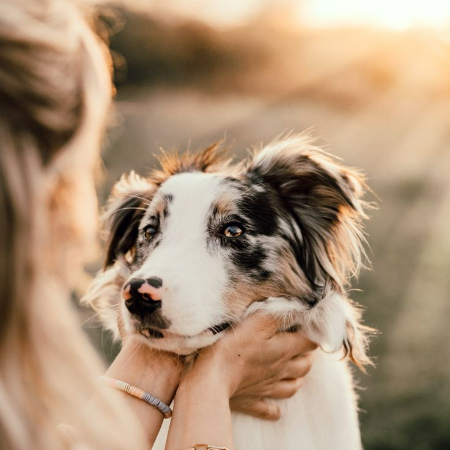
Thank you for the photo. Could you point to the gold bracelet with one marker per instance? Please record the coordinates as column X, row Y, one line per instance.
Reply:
column 206, row 447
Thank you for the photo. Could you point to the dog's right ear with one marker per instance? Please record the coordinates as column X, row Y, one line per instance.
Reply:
column 126, row 206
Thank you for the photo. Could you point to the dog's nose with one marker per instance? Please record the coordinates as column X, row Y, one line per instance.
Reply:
column 142, row 296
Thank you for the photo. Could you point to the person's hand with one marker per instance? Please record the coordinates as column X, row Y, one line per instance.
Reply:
column 254, row 400
column 141, row 365
column 254, row 363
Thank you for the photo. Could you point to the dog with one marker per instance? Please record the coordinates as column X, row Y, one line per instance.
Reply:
column 202, row 243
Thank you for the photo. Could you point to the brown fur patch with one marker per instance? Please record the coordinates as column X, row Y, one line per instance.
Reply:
column 286, row 282
column 212, row 159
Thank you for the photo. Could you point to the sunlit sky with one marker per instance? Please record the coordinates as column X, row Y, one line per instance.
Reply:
column 397, row 14
column 394, row 14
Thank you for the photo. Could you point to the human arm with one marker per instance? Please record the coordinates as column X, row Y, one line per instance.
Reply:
column 151, row 370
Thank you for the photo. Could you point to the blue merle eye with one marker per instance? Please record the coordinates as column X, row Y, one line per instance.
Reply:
column 149, row 232
column 233, row 230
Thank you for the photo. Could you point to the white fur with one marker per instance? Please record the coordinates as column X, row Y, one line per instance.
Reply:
column 324, row 324
column 194, row 280
column 323, row 414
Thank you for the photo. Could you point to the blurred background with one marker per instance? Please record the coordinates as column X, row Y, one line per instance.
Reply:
column 370, row 79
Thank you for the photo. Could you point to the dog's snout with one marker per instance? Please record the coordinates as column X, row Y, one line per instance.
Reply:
column 143, row 296
column 155, row 282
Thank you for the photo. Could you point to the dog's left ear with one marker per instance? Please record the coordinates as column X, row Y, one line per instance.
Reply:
column 125, row 209
column 323, row 200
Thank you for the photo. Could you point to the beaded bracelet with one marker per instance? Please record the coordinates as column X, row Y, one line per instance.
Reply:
column 138, row 393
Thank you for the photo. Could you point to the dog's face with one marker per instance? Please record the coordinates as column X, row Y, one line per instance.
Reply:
column 202, row 241
column 211, row 244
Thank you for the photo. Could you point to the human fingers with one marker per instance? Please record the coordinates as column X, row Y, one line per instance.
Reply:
column 274, row 386
column 294, row 344
column 239, row 357
column 284, row 388
column 260, row 325
column 256, row 407
column 299, row 366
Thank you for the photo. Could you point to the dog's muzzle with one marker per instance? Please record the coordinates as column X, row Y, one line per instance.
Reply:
column 143, row 297
column 159, row 334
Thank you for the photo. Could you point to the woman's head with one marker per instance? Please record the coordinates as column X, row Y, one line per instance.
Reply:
column 54, row 96
column 55, row 92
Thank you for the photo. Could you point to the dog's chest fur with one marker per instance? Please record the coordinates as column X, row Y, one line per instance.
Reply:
column 321, row 416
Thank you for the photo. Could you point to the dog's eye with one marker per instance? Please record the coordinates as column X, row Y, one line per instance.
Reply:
column 149, row 232
column 233, row 230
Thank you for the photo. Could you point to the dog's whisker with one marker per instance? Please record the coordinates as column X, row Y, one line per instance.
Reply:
column 131, row 208
column 90, row 318
column 124, row 266
column 98, row 313
column 125, row 363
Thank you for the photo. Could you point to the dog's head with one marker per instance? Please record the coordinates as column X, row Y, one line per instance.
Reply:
column 193, row 246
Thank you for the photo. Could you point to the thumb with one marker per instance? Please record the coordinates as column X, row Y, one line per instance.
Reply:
column 263, row 322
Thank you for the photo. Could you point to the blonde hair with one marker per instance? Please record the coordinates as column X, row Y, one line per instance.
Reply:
column 55, row 92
